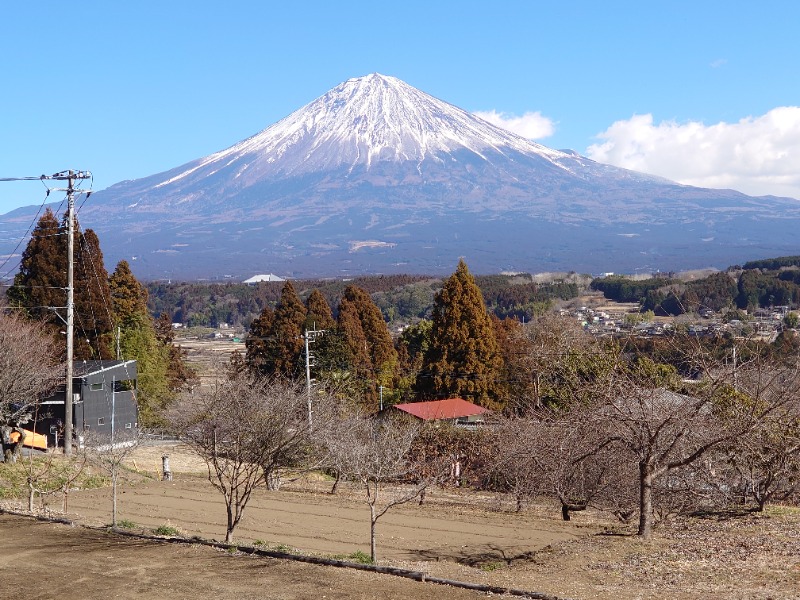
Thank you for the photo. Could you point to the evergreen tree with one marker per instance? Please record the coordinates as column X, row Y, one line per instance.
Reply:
column 349, row 329
column 318, row 312
column 93, row 322
column 179, row 374
column 260, row 344
column 128, row 296
column 282, row 352
column 463, row 358
column 40, row 285
column 372, row 353
column 138, row 341
column 42, row 275
column 290, row 317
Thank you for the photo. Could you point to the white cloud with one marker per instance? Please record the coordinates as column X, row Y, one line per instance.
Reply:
column 531, row 125
column 757, row 155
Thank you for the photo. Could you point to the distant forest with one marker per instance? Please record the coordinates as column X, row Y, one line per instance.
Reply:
column 759, row 284
column 401, row 298
column 407, row 298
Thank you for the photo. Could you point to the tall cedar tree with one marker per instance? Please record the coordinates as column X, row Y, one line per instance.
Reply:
column 94, row 325
column 260, row 344
column 372, row 352
column 463, row 358
column 287, row 329
column 128, row 296
column 318, row 312
column 180, row 375
column 42, row 279
column 40, row 282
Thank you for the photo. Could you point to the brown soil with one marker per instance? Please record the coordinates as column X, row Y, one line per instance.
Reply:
column 456, row 535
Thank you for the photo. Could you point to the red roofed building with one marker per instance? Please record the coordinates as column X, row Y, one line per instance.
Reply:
column 452, row 409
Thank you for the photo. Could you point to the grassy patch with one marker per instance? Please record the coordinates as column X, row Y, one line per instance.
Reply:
column 51, row 473
column 357, row 557
column 360, row 557
column 491, row 566
column 126, row 524
column 777, row 510
column 167, row 529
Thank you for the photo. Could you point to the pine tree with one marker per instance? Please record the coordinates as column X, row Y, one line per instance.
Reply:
column 463, row 358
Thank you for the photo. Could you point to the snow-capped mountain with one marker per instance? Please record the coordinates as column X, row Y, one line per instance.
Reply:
column 377, row 176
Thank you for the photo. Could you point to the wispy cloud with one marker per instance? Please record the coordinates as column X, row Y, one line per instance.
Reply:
column 531, row 125
column 716, row 64
column 756, row 155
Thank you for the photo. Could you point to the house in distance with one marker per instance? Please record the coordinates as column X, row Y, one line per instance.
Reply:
column 455, row 410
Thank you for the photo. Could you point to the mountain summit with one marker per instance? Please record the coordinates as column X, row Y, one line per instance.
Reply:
column 377, row 176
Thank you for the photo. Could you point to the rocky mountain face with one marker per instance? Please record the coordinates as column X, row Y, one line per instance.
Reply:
column 376, row 176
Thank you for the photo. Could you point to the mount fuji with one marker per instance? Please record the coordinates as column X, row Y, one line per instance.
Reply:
column 376, row 176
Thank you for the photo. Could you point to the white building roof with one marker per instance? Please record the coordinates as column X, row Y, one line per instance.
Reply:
column 260, row 278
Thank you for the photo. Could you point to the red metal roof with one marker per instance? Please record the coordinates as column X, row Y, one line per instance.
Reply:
column 452, row 408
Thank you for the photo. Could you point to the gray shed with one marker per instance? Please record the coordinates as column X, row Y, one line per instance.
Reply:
column 104, row 400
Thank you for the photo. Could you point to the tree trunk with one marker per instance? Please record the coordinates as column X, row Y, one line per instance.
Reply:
column 113, row 496
column 372, row 520
column 645, row 499
column 230, row 527
column 31, row 494
column 336, row 482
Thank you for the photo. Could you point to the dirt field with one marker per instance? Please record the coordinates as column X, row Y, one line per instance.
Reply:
column 480, row 541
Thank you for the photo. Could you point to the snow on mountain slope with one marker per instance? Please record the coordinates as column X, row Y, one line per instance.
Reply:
column 366, row 120
column 377, row 176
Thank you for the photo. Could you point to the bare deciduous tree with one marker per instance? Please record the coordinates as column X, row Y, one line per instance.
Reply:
column 563, row 454
column 28, row 371
column 666, row 431
column 763, row 464
column 109, row 451
column 245, row 429
column 375, row 452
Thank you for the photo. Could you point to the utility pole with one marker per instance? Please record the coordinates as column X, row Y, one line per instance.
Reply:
column 310, row 337
column 70, row 177
column 70, row 314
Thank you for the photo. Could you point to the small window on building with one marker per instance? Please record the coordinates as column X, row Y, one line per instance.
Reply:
column 96, row 386
column 101, row 421
column 127, row 425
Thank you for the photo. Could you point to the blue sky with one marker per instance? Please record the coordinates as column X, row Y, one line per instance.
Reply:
column 706, row 93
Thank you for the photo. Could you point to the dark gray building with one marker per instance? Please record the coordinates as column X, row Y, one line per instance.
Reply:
column 104, row 400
